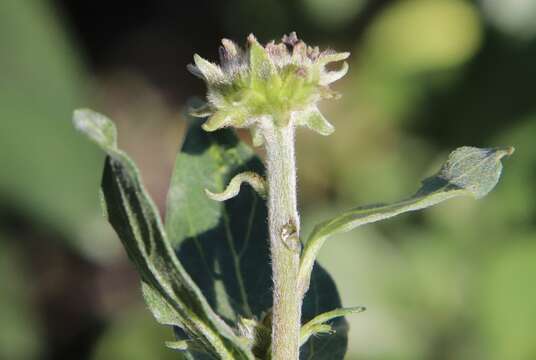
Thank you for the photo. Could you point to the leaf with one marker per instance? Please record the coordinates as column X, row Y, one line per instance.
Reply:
column 163, row 312
column 328, row 77
column 314, row 120
column 135, row 218
column 468, row 171
column 262, row 66
column 218, row 120
column 224, row 246
column 323, row 297
column 318, row 323
column 256, row 182
column 212, row 73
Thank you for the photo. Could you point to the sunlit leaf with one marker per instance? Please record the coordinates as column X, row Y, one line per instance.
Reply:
column 468, row 171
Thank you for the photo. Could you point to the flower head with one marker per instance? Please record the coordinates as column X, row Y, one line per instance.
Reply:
column 280, row 83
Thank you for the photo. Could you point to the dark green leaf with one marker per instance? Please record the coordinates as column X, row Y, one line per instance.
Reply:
column 135, row 218
column 224, row 246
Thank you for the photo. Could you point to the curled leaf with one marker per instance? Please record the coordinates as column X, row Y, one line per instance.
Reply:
column 329, row 77
column 256, row 181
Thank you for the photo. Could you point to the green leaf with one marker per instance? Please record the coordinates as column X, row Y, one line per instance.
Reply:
column 211, row 72
column 135, row 218
column 261, row 66
column 324, row 297
column 254, row 180
column 224, row 246
column 162, row 310
column 468, row 171
column 314, row 120
column 217, row 121
column 318, row 323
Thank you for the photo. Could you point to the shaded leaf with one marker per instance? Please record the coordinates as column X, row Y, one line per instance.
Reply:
column 468, row 171
column 135, row 218
column 224, row 246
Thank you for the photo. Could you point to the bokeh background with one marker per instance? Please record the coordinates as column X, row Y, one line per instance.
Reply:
column 454, row 282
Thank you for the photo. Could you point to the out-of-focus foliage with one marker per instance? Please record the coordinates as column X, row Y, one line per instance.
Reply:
column 334, row 13
column 19, row 329
column 410, row 39
column 420, row 35
column 134, row 335
column 47, row 172
column 454, row 282
column 513, row 17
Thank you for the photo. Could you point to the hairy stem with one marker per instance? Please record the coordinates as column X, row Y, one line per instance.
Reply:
column 284, row 240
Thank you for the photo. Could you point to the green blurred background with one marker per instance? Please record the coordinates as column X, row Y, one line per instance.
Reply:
column 454, row 282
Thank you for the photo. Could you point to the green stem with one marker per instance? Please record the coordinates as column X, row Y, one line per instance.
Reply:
column 284, row 240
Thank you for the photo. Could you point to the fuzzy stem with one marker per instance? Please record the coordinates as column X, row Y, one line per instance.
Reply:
column 284, row 241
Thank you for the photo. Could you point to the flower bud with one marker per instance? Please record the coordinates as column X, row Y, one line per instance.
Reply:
column 280, row 82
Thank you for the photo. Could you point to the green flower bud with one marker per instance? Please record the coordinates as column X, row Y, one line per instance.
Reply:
column 279, row 83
